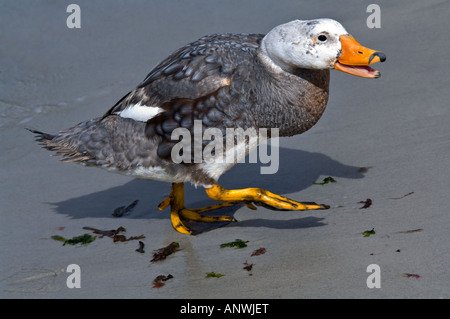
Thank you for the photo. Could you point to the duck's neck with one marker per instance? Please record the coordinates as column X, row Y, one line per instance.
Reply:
column 291, row 101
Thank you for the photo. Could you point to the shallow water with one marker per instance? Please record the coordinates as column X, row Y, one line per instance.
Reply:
column 42, row 65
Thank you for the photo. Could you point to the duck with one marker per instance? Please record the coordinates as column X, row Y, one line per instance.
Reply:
column 252, row 82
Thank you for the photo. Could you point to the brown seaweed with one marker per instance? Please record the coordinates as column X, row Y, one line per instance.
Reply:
column 123, row 238
column 107, row 233
column 410, row 193
column 247, row 266
column 259, row 251
column 162, row 253
column 364, row 169
column 114, row 234
column 158, row 281
column 407, row 275
column 124, row 210
column 410, row 231
column 367, row 203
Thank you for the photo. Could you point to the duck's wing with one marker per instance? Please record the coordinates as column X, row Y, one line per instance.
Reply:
column 193, row 72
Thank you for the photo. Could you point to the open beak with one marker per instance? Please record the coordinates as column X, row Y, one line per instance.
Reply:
column 355, row 59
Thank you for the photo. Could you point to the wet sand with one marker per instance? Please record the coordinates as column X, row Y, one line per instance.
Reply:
column 385, row 139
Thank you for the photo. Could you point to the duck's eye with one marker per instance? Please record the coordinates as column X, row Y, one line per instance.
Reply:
column 322, row 38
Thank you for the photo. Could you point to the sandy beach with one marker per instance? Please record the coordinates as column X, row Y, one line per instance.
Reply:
column 387, row 140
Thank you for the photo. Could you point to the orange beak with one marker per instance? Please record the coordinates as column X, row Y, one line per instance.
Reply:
column 355, row 59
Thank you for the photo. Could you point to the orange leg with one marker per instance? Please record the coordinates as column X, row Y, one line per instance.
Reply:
column 176, row 202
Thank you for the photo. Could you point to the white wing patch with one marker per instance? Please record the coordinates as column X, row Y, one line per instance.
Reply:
column 139, row 112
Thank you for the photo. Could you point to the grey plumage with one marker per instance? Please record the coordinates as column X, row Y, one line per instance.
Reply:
column 222, row 81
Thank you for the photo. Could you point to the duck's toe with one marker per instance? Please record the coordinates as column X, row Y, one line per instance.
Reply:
column 260, row 197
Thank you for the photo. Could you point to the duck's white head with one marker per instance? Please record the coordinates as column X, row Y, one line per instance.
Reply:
column 319, row 44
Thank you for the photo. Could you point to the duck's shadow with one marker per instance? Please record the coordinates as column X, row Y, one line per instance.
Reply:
column 297, row 170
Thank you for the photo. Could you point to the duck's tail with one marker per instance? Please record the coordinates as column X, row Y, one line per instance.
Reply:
column 112, row 142
column 41, row 137
column 65, row 144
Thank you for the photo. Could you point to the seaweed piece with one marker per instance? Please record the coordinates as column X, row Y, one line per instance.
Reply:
column 158, row 284
column 212, row 274
column 158, row 281
column 410, row 231
column 83, row 239
column 108, row 233
column 238, row 244
column 114, row 234
column 58, row 238
column 326, row 180
column 141, row 248
column 367, row 203
column 364, row 169
column 123, row 238
column 248, row 267
column 259, row 251
column 410, row 193
column 407, row 275
column 162, row 253
column 117, row 238
column 367, row 233
column 124, row 210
